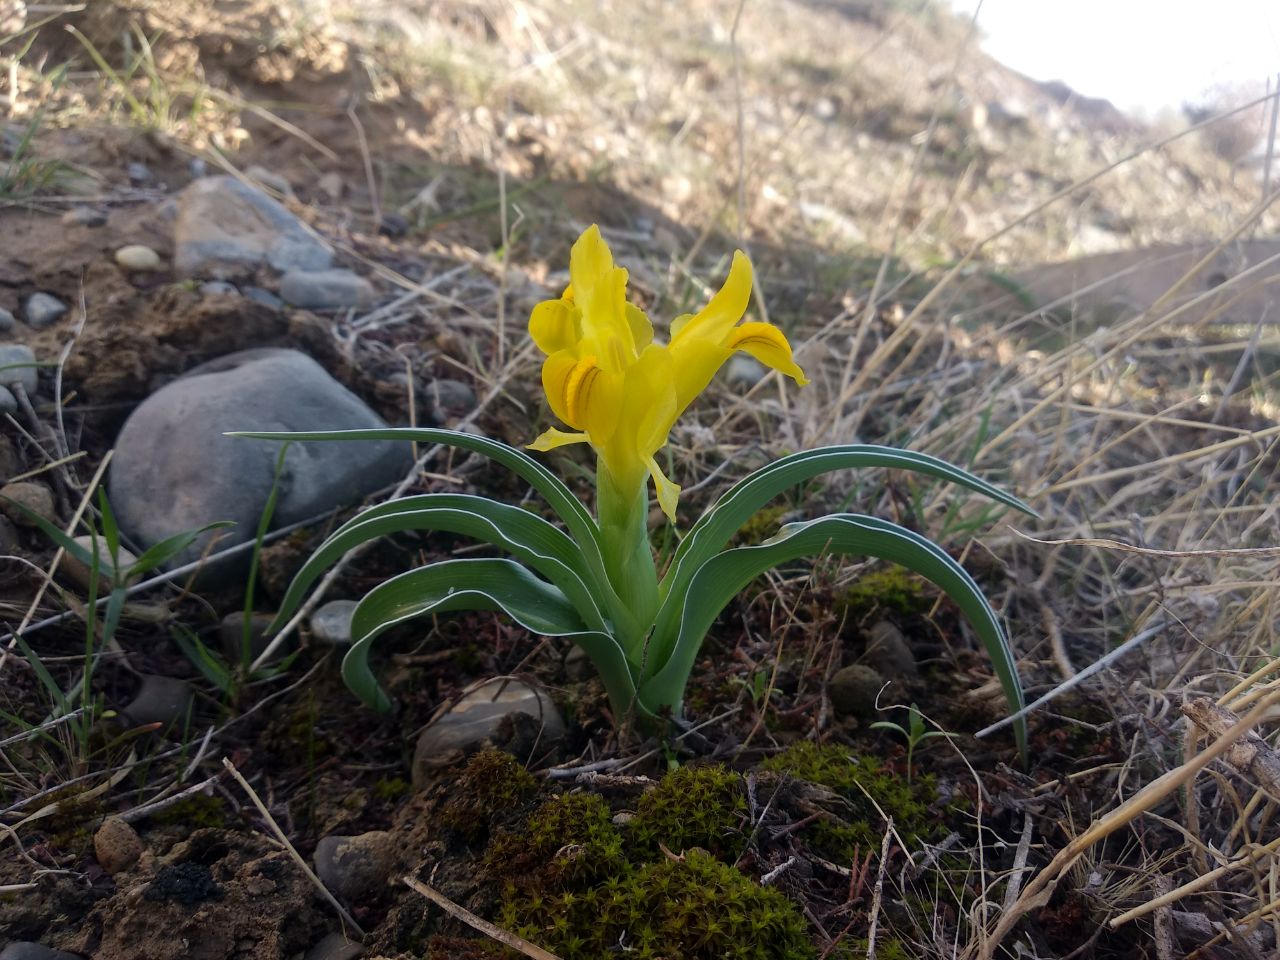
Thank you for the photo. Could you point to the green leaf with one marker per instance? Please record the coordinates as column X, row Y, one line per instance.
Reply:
column 528, row 537
column 686, row 617
column 170, row 547
column 717, row 526
column 473, row 584
column 582, row 528
column 211, row 665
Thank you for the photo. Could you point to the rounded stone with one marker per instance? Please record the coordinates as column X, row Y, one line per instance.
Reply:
column 162, row 700
column 18, row 365
column 8, row 402
column 28, row 950
column 335, row 946
column 264, row 297
column 744, row 372
column 231, row 634
column 356, row 869
column 508, row 714
column 43, row 309
column 78, row 571
column 84, row 217
column 325, row 289
column 853, row 690
column 139, row 173
column 36, row 497
column 138, row 258
column 218, row 288
column 331, row 623
column 450, row 398
column 116, row 845
column 8, row 322
column 176, row 470
column 889, row 652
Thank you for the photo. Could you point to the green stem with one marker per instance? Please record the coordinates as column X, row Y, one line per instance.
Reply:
column 624, row 539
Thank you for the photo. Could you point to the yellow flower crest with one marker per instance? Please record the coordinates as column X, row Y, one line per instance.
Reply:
column 617, row 389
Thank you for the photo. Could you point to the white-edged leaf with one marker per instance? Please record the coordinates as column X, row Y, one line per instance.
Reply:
column 528, row 537
column 687, row 617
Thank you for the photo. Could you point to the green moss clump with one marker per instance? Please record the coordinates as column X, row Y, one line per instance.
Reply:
column 761, row 525
column 695, row 908
column 196, row 811
column 889, row 590
column 857, row 779
column 569, row 842
column 692, row 807
column 391, row 789
column 490, row 784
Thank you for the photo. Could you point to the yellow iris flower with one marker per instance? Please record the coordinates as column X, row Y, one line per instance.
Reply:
column 618, row 390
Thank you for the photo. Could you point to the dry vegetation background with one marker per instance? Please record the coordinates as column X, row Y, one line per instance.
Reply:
column 887, row 179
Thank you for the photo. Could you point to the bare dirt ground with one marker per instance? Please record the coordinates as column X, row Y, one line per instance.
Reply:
column 888, row 181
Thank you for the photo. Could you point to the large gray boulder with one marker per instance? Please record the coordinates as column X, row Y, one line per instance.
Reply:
column 174, row 470
column 228, row 229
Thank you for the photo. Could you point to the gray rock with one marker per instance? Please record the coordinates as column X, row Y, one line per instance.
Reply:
column 84, row 217
column 36, row 497
column 8, row 402
column 43, row 309
column 162, row 700
column 227, row 228
column 335, row 946
column 744, row 372
column 218, row 288
column 116, row 845
column 356, row 869
column 889, row 652
column 509, row 714
column 138, row 258
column 325, row 289
column 264, row 297
column 139, row 173
column 197, row 167
column 231, row 634
column 78, row 571
column 853, row 690
column 174, row 470
column 331, row 623
column 394, row 225
column 27, row 950
column 18, row 362
column 8, row 322
column 450, row 399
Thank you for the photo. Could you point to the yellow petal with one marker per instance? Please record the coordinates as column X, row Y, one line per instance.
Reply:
column 641, row 328
column 767, row 344
column 599, row 290
column 555, row 379
column 696, row 362
column 726, row 308
column 646, row 410
column 550, row 439
column 667, row 491
column 553, row 326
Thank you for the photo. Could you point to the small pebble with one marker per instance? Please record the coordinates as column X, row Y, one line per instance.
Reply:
column 335, row 946
column 330, row 185
column 272, row 181
column 198, row 168
column 219, row 288
column 138, row 258
column 18, row 365
column 325, row 289
column 84, row 217
column 264, row 297
column 7, row 321
column 162, row 700
column 116, row 845
column 744, row 372
column 394, row 225
column 853, row 690
column 139, row 173
column 331, row 623
column 43, row 309
column 356, row 869
column 27, row 950
column 36, row 497
column 8, row 402
column 450, row 398
column 78, row 571
column 231, row 635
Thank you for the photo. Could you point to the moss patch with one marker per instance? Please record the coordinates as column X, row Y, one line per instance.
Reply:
column 892, row 589
column 492, row 783
column 691, row 807
column 568, row 843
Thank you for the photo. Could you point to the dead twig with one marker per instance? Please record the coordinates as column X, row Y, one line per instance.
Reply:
column 479, row 923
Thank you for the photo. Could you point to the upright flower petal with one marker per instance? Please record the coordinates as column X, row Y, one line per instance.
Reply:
column 726, row 308
column 554, row 326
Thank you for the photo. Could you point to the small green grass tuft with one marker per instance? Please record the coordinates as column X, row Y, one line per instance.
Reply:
column 692, row 807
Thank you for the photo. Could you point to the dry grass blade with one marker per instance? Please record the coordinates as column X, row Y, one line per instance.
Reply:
column 519, row 944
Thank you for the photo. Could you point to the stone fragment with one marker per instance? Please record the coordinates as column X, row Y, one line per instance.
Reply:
column 43, row 309
column 331, row 623
column 116, row 845
column 18, row 363
column 84, row 217
column 335, row 946
column 356, row 869
column 36, row 497
column 138, row 258
column 231, row 635
column 889, row 653
column 325, row 289
column 8, row 322
column 508, row 714
column 162, row 700
column 270, row 180
column 78, row 571
column 226, row 228
column 139, row 173
column 175, row 470
column 264, row 297
column 218, row 288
